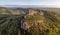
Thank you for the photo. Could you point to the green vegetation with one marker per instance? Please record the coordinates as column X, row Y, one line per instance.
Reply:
column 9, row 24
column 39, row 23
column 49, row 24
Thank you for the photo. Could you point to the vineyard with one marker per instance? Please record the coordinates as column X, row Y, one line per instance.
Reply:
column 9, row 24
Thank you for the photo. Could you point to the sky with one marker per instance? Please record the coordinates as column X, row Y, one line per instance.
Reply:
column 48, row 3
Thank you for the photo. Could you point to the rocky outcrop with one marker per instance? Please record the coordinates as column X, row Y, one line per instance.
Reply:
column 37, row 22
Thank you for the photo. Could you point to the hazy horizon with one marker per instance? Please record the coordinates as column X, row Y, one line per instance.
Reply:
column 41, row 3
column 29, row 6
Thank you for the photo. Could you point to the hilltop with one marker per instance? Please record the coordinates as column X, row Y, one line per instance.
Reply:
column 40, row 22
column 29, row 21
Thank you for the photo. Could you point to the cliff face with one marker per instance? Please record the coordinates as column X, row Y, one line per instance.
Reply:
column 39, row 22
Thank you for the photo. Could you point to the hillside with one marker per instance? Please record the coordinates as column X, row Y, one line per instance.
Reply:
column 39, row 22
column 12, row 11
column 31, row 22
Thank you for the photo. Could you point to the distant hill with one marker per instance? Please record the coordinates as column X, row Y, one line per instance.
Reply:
column 32, row 6
column 16, row 11
column 57, row 10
